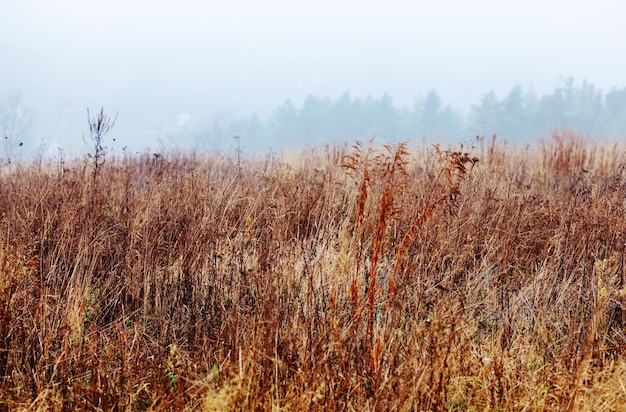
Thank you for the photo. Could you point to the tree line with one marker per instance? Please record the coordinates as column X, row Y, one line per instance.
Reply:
column 520, row 116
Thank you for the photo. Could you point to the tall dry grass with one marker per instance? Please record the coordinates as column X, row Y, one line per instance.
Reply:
column 363, row 278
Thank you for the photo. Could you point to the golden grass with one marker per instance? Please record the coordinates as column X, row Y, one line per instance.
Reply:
column 364, row 278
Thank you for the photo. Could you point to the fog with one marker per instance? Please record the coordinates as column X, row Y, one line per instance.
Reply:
column 171, row 68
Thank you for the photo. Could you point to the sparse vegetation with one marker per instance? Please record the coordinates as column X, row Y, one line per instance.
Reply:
column 99, row 127
column 363, row 278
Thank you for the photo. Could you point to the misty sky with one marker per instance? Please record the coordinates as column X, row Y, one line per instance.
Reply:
column 161, row 63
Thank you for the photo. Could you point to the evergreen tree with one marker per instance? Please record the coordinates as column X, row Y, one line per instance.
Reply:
column 385, row 118
column 314, row 120
column 588, row 108
column 612, row 123
column 513, row 115
column 350, row 119
column 430, row 113
column 616, row 101
column 485, row 116
column 284, row 125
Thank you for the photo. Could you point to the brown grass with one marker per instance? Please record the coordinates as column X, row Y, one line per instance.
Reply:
column 364, row 278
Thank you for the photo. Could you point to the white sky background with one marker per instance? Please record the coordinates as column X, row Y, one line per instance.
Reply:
column 153, row 60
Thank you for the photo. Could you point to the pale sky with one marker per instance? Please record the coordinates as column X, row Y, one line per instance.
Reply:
column 157, row 60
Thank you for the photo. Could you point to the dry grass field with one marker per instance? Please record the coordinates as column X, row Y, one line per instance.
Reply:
column 338, row 278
